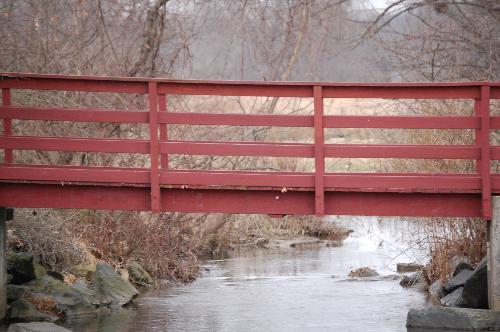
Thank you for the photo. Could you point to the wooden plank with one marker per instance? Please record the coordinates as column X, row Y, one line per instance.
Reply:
column 402, row 151
column 319, row 153
column 7, row 125
column 229, row 119
column 74, row 144
column 238, row 148
column 76, row 115
column 402, row 122
column 154, row 148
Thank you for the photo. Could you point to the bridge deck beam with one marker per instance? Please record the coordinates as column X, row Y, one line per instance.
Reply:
column 258, row 201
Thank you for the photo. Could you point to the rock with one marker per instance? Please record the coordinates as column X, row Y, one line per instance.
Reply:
column 110, row 289
column 475, row 293
column 36, row 327
column 456, row 319
column 139, row 275
column 436, row 291
column 24, row 267
column 24, row 311
column 460, row 267
column 363, row 272
column 262, row 242
column 457, row 281
column 124, row 274
column 457, row 260
column 56, row 275
column 46, row 285
column 15, row 292
column 408, row 267
column 74, row 300
column 416, row 280
column 454, row 299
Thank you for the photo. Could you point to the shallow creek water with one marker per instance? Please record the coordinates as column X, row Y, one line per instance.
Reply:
column 287, row 289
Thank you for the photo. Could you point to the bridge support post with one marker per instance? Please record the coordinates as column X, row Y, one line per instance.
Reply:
column 5, row 214
column 493, row 253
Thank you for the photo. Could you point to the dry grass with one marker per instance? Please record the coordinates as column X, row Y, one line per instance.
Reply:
column 452, row 238
column 250, row 231
column 45, row 304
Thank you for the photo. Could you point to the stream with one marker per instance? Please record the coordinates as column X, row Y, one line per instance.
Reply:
column 306, row 288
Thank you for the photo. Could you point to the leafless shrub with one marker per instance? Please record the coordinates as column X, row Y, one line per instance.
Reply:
column 49, row 235
column 158, row 242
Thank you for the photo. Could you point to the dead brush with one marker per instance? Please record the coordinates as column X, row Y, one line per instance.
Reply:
column 247, row 231
column 158, row 242
column 452, row 238
column 45, row 304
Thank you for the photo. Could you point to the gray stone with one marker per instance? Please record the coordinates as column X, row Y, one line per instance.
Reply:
column 46, row 285
column 456, row 319
column 408, row 267
column 416, row 280
column 457, row 281
column 24, row 311
column 74, row 300
column 460, row 267
column 457, row 260
column 454, row 299
column 36, row 327
column 436, row 291
column 110, row 288
column 24, row 267
column 15, row 292
column 138, row 275
column 475, row 292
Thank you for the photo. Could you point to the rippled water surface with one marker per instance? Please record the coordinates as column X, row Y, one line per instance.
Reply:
column 285, row 290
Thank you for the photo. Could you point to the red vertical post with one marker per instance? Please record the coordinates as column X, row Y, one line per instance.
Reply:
column 154, row 147
column 163, row 130
column 7, row 125
column 319, row 152
column 482, row 108
column 477, row 112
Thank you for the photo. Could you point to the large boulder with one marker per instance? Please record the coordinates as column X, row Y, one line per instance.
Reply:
column 36, row 327
column 25, row 311
column 454, row 299
column 24, row 267
column 15, row 292
column 46, row 285
column 457, row 281
column 138, row 275
column 436, row 291
column 72, row 301
column 456, row 319
column 110, row 288
column 475, row 292
column 416, row 281
column 460, row 267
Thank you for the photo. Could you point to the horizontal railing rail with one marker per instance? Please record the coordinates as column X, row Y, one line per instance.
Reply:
column 158, row 175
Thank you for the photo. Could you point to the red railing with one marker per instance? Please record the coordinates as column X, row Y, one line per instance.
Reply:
column 334, row 193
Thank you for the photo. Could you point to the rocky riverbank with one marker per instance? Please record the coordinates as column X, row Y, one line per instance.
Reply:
column 460, row 302
column 37, row 295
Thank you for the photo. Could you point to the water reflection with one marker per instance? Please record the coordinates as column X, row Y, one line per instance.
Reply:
column 282, row 290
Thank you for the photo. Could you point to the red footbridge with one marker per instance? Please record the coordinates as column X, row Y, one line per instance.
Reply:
column 158, row 188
